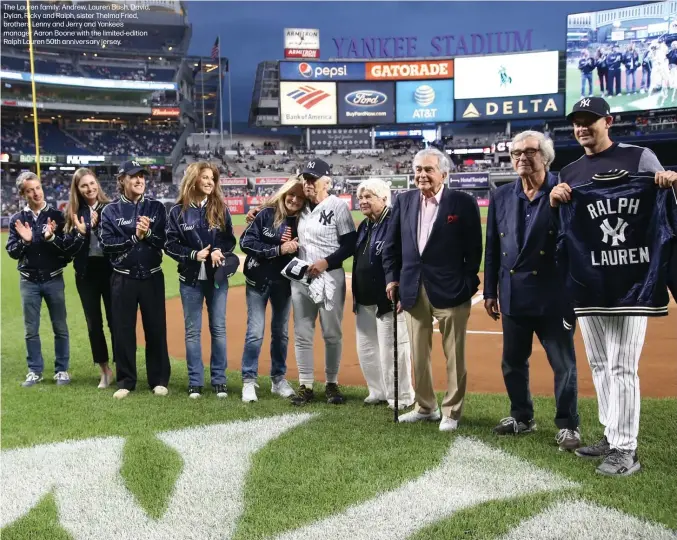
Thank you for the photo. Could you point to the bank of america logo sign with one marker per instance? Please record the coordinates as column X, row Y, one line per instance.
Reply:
column 307, row 96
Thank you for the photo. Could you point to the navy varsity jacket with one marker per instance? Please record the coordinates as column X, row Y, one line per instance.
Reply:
column 188, row 232
column 374, row 234
column 77, row 245
column 261, row 243
column 137, row 259
column 615, row 244
column 39, row 260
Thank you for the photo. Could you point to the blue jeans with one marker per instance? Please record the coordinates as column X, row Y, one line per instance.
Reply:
column 586, row 77
column 630, row 81
column 280, row 301
column 31, row 299
column 192, row 299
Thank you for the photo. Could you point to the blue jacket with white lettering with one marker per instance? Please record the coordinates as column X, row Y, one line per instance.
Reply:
column 77, row 245
column 261, row 242
column 614, row 244
column 40, row 260
column 188, row 232
column 137, row 259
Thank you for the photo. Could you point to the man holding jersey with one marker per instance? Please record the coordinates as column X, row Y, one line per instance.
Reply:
column 613, row 342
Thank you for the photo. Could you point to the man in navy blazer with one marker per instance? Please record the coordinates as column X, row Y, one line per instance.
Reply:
column 520, row 276
column 431, row 257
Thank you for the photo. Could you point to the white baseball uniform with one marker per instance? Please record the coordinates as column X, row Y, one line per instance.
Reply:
column 319, row 231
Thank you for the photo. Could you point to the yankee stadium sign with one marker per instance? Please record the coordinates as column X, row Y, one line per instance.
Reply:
column 446, row 45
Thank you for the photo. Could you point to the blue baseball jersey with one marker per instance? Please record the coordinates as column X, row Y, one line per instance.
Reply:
column 615, row 244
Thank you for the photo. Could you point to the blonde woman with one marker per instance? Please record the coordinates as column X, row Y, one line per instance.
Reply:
column 270, row 242
column 92, row 268
column 200, row 237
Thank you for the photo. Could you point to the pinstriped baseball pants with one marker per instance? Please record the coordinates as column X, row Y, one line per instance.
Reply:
column 614, row 346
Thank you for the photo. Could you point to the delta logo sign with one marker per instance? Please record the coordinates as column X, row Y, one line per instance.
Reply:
column 307, row 104
column 541, row 106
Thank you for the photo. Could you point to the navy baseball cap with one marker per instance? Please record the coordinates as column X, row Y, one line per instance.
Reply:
column 596, row 106
column 316, row 168
column 230, row 265
column 131, row 168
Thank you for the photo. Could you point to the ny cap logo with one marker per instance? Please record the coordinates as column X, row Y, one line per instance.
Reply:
column 615, row 234
column 311, row 165
column 584, row 103
column 136, row 164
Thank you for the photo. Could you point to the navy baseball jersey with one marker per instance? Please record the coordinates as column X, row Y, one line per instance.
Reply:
column 614, row 244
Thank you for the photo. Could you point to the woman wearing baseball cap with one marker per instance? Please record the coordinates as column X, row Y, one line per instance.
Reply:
column 200, row 238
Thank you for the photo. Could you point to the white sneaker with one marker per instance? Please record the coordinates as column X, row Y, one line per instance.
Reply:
column 448, row 424
column 415, row 416
column 62, row 378
column 372, row 399
column 160, row 391
column 401, row 405
column 249, row 392
column 283, row 389
column 121, row 394
column 106, row 378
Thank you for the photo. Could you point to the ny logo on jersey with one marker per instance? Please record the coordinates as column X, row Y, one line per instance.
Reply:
column 584, row 103
column 616, row 234
column 326, row 217
column 379, row 246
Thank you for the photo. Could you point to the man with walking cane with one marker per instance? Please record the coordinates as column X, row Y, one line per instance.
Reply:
column 431, row 257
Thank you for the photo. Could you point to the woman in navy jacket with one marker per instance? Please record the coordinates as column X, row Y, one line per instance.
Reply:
column 373, row 311
column 270, row 242
column 199, row 236
column 92, row 268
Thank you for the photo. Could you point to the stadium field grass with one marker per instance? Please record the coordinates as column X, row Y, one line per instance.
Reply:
column 342, row 457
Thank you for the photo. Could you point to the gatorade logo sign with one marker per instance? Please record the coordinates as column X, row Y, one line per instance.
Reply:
column 415, row 70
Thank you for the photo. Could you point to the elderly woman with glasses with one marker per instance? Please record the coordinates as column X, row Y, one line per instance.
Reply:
column 373, row 310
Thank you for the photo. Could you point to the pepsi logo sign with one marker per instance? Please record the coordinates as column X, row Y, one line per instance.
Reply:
column 366, row 98
column 305, row 70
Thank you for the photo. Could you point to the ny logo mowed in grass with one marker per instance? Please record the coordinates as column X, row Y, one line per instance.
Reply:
column 208, row 497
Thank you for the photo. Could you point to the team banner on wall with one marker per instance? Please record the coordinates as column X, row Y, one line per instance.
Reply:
column 307, row 104
column 366, row 103
column 469, row 180
column 425, row 101
column 235, row 181
column 321, row 71
column 410, row 70
column 507, row 75
column 348, row 138
column 510, row 108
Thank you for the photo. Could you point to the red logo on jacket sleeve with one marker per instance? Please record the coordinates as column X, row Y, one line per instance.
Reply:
column 452, row 219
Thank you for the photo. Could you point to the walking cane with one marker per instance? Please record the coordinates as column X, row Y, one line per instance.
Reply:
column 395, row 367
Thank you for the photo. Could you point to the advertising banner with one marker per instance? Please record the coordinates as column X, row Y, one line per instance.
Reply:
column 89, row 82
column 482, row 202
column 235, row 204
column 271, row 180
column 164, row 111
column 507, row 75
column 410, row 70
column 44, row 158
column 301, row 43
column 307, row 104
column 510, row 108
column 366, row 103
column 322, row 71
column 226, row 181
column 348, row 199
column 84, row 160
column 423, row 102
column 469, row 180
column 255, row 201
column 349, row 138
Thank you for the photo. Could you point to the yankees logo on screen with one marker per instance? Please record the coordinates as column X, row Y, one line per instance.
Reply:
column 614, row 233
column 326, row 217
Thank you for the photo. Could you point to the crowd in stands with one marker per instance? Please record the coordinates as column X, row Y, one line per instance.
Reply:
column 138, row 73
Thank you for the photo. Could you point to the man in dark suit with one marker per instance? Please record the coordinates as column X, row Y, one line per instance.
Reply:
column 432, row 256
column 520, row 271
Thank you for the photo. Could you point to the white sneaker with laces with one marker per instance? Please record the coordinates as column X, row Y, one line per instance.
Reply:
column 249, row 392
column 62, row 377
column 448, row 424
column 415, row 416
column 160, row 391
column 283, row 389
column 121, row 394
column 32, row 379
column 373, row 399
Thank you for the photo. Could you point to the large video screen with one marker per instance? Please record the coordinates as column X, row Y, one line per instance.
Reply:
column 307, row 104
column 624, row 57
column 506, row 75
column 420, row 102
column 366, row 102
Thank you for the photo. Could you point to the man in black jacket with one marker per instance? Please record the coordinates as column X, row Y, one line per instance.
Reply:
column 132, row 233
column 36, row 241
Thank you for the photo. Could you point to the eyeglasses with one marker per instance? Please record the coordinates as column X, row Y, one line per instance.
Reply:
column 529, row 152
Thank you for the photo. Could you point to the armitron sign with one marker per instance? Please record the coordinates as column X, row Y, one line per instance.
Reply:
column 416, row 70
column 301, row 43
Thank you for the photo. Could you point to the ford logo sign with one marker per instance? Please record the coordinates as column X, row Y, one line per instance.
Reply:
column 366, row 98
